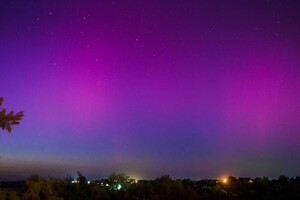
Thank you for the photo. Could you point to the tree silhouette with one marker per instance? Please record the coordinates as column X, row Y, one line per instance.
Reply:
column 120, row 181
column 7, row 120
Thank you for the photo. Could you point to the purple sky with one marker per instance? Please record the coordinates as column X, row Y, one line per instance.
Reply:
column 190, row 88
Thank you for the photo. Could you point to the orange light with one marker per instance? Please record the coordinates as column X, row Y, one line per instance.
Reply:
column 225, row 180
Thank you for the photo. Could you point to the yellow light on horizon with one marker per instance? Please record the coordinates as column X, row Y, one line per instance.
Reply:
column 225, row 180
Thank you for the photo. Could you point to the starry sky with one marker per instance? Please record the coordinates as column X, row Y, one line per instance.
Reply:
column 190, row 88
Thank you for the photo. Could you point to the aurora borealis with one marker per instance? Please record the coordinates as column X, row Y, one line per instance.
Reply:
column 190, row 88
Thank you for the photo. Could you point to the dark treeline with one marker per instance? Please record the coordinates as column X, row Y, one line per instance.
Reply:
column 120, row 186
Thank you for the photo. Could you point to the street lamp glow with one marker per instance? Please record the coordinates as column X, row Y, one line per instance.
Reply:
column 119, row 187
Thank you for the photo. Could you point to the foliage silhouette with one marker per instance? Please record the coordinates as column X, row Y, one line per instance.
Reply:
column 7, row 120
column 162, row 188
column 119, row 181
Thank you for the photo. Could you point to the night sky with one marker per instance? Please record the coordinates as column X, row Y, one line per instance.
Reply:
column 190, row 88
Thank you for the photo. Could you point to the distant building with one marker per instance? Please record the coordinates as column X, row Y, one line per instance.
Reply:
column 245, row 180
